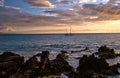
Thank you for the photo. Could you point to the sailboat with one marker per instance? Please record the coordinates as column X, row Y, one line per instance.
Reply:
column 69, row 32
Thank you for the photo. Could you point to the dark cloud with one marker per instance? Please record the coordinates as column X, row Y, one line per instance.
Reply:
column 104, row 11
column 103, row 8
column 40, row 3
column 10, row 16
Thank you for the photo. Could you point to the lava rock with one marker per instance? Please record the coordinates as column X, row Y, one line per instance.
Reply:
column 10, row 63
column 73, row 74
column 44, row 65
column 45, row 62
column 60, row 65
column 91, row 64
column 31, row 63
column 106, row 52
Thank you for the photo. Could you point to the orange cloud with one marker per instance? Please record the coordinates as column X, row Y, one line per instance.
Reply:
column 5, row 29
column 40, row 3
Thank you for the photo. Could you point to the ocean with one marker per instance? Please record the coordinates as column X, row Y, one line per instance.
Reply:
column 36, row 43
column 28, row 45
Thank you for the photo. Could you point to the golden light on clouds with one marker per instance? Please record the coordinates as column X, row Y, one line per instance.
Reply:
column 55, row 16
column 110, row 26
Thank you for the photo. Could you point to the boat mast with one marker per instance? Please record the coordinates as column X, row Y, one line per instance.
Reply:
column 70, row 29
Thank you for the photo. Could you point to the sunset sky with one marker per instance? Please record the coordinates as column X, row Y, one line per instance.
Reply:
column 55, row 16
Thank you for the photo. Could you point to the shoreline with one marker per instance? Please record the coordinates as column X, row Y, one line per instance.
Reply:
column 35, row 65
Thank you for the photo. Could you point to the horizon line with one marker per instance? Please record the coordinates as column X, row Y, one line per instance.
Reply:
column 50, row 33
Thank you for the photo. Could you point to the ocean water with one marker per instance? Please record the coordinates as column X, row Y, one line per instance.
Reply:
column 28, row 45
column 36, row 43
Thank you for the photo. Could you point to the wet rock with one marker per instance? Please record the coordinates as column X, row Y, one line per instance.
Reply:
column 45, row 62
column 102, row 76
column 9, row 56
column 114, row 68
column 44, row 66
column 63, row 54
column 6, row 55
column 60, row 65
column 91, row 64
column 116, row 65
column 73, row 74
column 31, row 63
column 10, row 63
column 22, row 74
column 17, row 59
column 106, row 52
column 8, row 68
column 91, row 75
column 63, row 51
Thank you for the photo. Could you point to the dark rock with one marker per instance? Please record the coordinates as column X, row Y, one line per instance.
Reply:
column 86, row 48
column 91, row 75
column 44, row 65
column 116, row 65
column 6, row 55
column 31, row 63
column 8, row 68
column 105, row 52
column 9, row 56
column 102, row 76
column 17, row 59
column 73, row 74
column 114, row 68
column 45, row 62
column 10, row 64
column 63, row 55
column 92, row 64
column 63, row 51
column 60, row 65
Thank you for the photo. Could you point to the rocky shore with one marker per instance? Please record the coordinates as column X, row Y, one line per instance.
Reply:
column 40, row 66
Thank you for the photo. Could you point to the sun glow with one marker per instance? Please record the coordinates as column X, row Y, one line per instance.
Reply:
column 111, row 26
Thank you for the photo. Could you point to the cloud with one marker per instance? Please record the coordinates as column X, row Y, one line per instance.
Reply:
column 88, row 12
column 65, row 2
column 86, row 1
column 75, row 14
column 40, row 3
column 2, row 3
column 6, row 29
column 12, row 17
column 93, row 1
column 103, row 9
column 114, row 2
